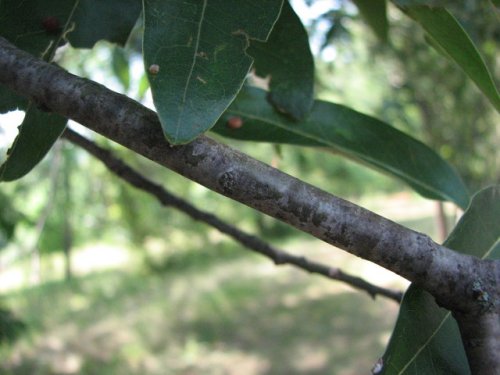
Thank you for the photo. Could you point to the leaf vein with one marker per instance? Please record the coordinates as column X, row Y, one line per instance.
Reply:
column 193, row 63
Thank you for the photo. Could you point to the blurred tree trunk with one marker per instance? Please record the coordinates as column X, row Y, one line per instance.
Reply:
column 67, row 240
column 36, row 270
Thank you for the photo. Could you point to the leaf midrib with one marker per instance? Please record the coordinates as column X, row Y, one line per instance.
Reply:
column 193, row 63
column 447, row 316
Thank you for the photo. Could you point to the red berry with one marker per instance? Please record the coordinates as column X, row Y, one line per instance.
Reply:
column 234, row 122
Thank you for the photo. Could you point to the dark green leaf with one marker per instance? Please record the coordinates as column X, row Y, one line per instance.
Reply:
column 111, row 20
column 375, row 14
column 356, row 135
column 447, row 32
column 38, row 27
column 287, row 60
column 37, row 134
column 33, row 24
column 195, row 53
column 426, row 339
column 10, row 101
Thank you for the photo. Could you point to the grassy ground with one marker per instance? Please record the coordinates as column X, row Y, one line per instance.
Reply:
column 239, row 315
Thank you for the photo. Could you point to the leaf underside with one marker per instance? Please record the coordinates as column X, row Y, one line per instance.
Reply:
column 195, row 55
column 341, row 129
column 426, row 339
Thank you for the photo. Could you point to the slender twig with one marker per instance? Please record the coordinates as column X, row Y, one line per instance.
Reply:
column 251, row 242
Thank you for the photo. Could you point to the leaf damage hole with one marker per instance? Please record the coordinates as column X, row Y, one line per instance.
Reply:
column 202, row 55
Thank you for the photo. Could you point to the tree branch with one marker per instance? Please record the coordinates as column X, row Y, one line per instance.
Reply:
column 446, row 274
column 449, row 276
column 134, row 178
column 481, row 339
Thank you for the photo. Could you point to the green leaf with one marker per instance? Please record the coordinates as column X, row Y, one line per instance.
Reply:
column 426, row 339
column 111, row 20
column 356, row 135
column 445, row 31
column 375, row 14
column 37, row 134
column 195, row 54
column 39, row 26
column 36, row 25
column 288, row 62
column 120, row 64
column 10, row 101
column 33, row 24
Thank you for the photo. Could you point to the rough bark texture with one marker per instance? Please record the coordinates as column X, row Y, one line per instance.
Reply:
column 481, row 339
column 449, row 276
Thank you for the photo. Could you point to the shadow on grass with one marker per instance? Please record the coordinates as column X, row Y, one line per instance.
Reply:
column 240, row 316
column 289, row 329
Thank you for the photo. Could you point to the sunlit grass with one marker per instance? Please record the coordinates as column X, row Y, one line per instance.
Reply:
column 227, row 318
